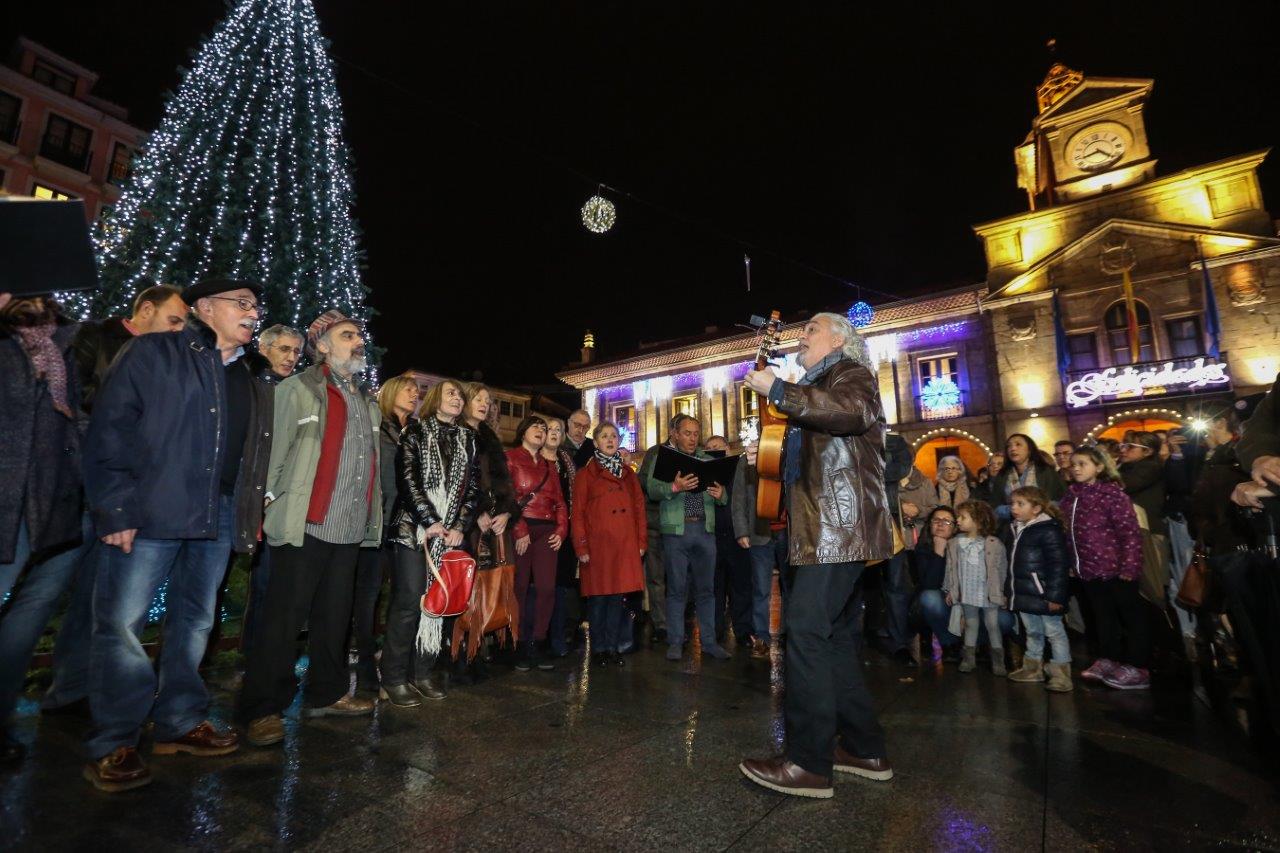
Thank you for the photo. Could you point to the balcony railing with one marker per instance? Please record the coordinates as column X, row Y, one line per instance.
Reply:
column 77, row 159
column 1199, row 374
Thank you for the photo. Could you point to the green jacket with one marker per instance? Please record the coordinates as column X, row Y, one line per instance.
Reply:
column 300, row 408
column 669, row 504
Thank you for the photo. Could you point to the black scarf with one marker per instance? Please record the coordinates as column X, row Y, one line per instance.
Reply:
column 612, row 464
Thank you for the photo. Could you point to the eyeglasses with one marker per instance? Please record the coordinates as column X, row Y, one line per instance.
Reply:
column 945, row 522
column 1128, row 446
column 242, row 302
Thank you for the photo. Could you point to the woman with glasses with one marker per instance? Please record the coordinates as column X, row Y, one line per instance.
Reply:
column 952, row 484
column 929, row 561
column 1143, row 475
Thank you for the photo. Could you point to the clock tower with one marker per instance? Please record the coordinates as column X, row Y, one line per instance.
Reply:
column 1088, row 138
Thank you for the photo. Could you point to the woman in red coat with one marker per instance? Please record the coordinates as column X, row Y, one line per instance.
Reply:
column 609, row 537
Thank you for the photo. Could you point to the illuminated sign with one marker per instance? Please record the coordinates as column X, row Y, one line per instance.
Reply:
column 1161, row 379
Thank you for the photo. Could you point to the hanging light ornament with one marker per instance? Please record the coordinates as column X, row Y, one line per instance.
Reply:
column 598, row 214
column 860, row 314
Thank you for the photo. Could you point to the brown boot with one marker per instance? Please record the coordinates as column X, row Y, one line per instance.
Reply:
column 1059, row 677
column 997, row 662
column 759, row 649
column 122, row 770
column 779, row 774
column 969, row 662
column 347, row 706
column 265, row 731
column 1031, row 670
column 878, row 769
column 204, row 739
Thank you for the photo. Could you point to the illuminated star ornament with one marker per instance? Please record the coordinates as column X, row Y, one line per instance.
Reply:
column 598, row 214
column 861, row 314
column 940, row 393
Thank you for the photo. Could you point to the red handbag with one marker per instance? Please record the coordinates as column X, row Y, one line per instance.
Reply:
column 454, row 579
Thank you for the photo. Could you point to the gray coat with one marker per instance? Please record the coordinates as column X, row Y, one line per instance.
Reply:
column 742, row 505
column 39, row 451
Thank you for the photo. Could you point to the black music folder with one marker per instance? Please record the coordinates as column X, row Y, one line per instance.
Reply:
column 44, row 247
column 671, row 461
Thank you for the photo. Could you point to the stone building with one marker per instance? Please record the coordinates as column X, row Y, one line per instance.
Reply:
column 1044, row 345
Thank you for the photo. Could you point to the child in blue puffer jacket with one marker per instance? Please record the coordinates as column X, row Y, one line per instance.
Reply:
column 1038, row 568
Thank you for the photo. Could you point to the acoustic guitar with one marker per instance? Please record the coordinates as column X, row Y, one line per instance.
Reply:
column 773, row 429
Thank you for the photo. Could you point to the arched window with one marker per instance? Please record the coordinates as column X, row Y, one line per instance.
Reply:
column 1117, row 323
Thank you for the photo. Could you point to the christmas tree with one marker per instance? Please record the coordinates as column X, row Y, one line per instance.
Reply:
column 247, row 176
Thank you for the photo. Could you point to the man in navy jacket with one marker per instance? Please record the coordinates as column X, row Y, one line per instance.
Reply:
column 175, row 466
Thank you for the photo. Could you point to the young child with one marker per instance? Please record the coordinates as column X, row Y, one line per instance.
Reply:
column 1038, row 563
column 1106, row 545
column 976, row 569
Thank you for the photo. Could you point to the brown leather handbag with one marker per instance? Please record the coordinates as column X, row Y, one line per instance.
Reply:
column 493, row 605
column 1195, row 583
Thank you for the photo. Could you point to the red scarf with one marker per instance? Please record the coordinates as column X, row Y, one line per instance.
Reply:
column 335, row 432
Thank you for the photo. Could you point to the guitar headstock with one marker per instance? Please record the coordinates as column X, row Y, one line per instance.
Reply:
column 770, row 333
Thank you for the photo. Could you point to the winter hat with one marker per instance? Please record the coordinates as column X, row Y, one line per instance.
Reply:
column 215, row 286
column 322, row 324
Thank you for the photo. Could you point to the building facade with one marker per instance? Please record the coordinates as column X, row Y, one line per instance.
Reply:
column 57, row 140
column 1045, row 345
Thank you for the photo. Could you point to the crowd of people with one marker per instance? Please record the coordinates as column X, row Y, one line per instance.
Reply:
column 145, row 451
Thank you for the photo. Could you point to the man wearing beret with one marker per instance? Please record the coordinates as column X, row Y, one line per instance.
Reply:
column 175, row 466
column 324, row 502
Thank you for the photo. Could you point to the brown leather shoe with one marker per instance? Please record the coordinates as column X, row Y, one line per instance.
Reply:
column 347, row 706
column 759, row 649
column 122, row 770
column 779, row 774
column 204, row 739
column 878, row 769
column 265, row 731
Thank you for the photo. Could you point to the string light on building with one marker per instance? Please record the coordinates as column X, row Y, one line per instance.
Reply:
column 598, row 214
column 861, row 314
column 950, row 432
column 589, row 399
column 939, row 394
column 1135, row 414
column 714, row 379
column 660, row 388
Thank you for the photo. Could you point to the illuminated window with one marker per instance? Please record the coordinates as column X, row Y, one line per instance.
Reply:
column 118, row 170
column 624, row 417
column 10, row 105
column 685, row 405
column 1184, row 337
column 54, row 78
column 938, row 379
column 41, row 191
column 945, row 366
column 1083, row 349
column 1117, row 324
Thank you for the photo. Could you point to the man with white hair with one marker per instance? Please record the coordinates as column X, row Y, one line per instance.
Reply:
column 282, row 347
column 324, row 502
column 174, row 469
column 838, row 519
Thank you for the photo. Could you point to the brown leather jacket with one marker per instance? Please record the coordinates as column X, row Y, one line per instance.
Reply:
column 838, row 509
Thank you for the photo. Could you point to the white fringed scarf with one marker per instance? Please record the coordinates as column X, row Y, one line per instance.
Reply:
column 444, row 484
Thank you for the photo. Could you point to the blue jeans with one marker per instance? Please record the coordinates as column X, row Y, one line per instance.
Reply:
column 693, row 552
column 1041, row 627
column 259, row 576
column 123, row 690
column 1181, row 548
column 608, row 620
column 761, row 557
column 71, row 649
column 937, row 617
column 32, row 602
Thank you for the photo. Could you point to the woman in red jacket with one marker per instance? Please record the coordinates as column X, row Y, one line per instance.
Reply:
column 543, row 524
column 609, row 536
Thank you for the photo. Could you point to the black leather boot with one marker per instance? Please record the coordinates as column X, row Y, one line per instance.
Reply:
column 431, row 687
column 400, row 695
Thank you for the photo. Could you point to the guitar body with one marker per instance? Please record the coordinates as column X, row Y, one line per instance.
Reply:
column 773, row 430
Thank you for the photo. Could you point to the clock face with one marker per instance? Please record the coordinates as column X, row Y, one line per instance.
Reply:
column 1098, row 147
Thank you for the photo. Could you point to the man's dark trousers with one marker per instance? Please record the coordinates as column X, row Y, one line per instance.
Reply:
column 826, row 692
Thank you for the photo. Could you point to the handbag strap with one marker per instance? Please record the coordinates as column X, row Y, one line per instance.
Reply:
column 524, row 501
column 434, row 571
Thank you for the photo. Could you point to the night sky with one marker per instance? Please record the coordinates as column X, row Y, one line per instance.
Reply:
column 863, row 143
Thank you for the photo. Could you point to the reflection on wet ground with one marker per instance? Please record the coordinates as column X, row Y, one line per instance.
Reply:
column 645, row 757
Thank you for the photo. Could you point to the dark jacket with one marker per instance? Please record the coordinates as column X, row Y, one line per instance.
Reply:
column 930, row 568
column 1144, row 484
column 39, row 451
column 153, row 455
column 1215, row 521
column 898, row 463
column 567, row 556
column 96, row 345
column 1261, row 436
column 1038, row 565
column 742, row 506
column 418, row 441
column 583, row 454
column 497, row 495
column 838, row 511
column 389, row 439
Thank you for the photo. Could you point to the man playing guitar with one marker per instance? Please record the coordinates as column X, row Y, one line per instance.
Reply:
column 838, row 520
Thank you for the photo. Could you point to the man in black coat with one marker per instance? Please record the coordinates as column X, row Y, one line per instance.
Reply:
column 175, row 468
column 41, row 531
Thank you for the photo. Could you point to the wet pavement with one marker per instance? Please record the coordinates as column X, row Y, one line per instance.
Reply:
column 645, row 757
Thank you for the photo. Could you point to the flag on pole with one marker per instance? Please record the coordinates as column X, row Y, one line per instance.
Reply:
column 1212, row 324
column 1060, row 334
column 1131, row 308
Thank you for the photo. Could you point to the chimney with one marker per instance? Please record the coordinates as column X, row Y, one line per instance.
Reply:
column 588, row 347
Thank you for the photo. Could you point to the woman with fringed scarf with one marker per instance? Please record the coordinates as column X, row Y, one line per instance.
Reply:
column 439, row 493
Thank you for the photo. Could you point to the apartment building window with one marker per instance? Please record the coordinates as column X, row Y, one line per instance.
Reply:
column 67, row 143
column 119, row 168
column 10, row 106
column 938, row 384
column 504, row 408
column 1184, row 337
column 1117, row 324
column 517, row 410
column 1083, row 349
column 41, row 191
column 686, row 404
column 748, row 402
column 54, row 78
column 624, row 417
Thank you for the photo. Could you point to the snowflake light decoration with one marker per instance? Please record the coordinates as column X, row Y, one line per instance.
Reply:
column 598, row 214
column 861, row 314
column 940, row 393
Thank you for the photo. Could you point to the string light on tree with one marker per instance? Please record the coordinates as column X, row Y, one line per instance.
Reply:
column 247, row 176
column 598, row 214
